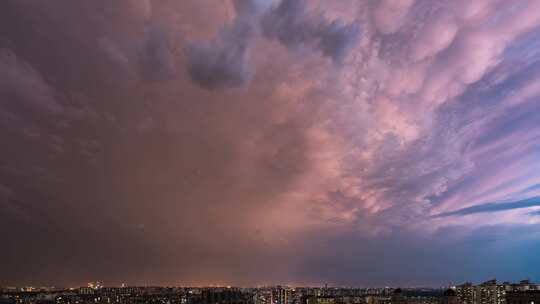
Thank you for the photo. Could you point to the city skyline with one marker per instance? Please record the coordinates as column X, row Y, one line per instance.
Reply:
column 489, row 292
column 253, row 142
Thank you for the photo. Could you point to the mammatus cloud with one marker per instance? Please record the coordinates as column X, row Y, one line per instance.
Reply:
column 224, row 61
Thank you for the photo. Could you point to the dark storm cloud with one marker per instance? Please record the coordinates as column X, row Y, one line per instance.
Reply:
column 291, row 24
column 224, row 61
column 155, row 55
column 494, row 207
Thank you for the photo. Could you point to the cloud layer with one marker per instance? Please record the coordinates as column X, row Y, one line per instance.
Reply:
column 224, row 61
column 252, row 142
column 495, row 207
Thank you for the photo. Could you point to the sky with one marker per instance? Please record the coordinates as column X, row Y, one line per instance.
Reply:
column 250, row 142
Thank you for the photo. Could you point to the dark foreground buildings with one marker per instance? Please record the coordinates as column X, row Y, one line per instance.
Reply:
column 523, row 297
column 489, row 292
column 224, row 296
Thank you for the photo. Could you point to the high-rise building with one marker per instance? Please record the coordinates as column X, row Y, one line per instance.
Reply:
column 86, row 290
column 281, row 295
column 486, row 293
column 489, row 292
column 466, row 293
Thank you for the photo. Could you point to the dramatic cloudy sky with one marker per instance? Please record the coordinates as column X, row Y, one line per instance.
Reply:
column 388, row 142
